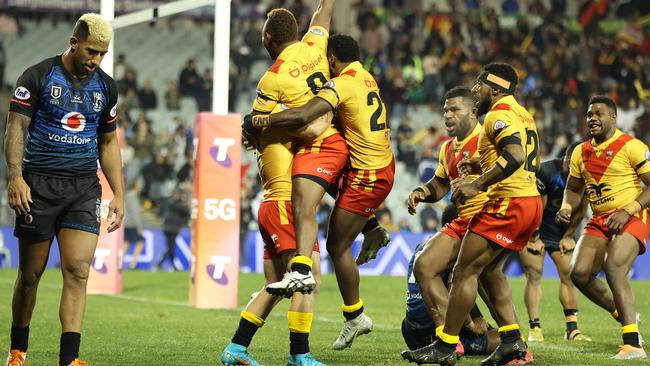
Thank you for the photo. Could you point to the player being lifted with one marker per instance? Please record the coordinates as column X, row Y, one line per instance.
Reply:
column 66, row 107
column 354, row 95
column 557, row 240
column 286, row 82
column 508, row 159
column 441, row 250
column 610, row 167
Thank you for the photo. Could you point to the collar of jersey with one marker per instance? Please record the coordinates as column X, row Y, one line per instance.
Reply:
column 508, row 99
column 351, row 66
column 286, row 50
column 474, row 132
column 606, row 143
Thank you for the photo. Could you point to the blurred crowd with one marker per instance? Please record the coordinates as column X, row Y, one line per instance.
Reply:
column 416, row 50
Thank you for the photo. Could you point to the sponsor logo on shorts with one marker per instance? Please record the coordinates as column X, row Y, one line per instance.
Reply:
column 324, row 171
column 504, row 238
column 113, row 112
column 219, row 151
column 98, row 210
column 73, row 122
column 22, row 93
column 28, row 218
column 368, row 209
column 216, row 268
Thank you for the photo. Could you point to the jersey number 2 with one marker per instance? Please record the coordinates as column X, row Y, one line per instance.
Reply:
column 531, row 158
column 374, row 119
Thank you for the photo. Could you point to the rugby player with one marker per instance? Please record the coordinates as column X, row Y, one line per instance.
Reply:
column 66, row 107
column 508, row 155
column 610, row 167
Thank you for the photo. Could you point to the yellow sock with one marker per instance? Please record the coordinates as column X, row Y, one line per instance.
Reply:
column 615, row 314
column 630, row 328
column 508, row 328
column 301, row 259
column 252, row 318
column 299, row 322
column 353, row 307
column 447, row 338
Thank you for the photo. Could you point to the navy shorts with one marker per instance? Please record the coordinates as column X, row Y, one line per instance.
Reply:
column 72, row 203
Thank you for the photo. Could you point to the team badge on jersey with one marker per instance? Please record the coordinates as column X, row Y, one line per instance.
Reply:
column 73, row 122
column 56, row 92
column 317, row 32
column 98, row 102
column 499, row 124
column 609, row 154
column 22, row 93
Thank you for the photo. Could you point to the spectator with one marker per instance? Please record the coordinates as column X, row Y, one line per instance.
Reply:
column 429, row 219
column 133, row 223
column 176, row 216
column 172, row 98
column 147, row 96
column 189, row 81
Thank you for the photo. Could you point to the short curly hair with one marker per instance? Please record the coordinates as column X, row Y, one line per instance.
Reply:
column 281, row 25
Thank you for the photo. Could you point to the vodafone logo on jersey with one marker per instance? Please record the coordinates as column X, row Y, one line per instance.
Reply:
column 73, row 122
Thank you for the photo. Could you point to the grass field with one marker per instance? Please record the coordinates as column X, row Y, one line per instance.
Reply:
column 151, row 324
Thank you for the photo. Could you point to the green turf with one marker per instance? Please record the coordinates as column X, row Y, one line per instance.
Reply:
column 151, row 324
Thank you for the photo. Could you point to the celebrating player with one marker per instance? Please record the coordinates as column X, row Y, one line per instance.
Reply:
column 66, row 107
column 441, row 250
column 508, row 158
column 354, row 95
column 283, row 83
column 557, row 240
column 610, row 167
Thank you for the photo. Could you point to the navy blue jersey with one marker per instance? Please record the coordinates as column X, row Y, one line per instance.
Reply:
column 551, row 182
column 66, row 117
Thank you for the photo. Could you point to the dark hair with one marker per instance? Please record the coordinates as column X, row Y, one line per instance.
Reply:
column 502, row 70
column 571, row 147
column 81, row 30
column 605, row 100
column 460, row 91
column 344, row 47
column 281, row 25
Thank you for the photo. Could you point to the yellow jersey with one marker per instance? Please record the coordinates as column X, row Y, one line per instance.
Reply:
column 504, row 119
column 611, row 170
column 295, row 77
column 451, row 153
column 361, row 115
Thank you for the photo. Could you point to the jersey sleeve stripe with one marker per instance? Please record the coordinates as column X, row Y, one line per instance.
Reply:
column 509, row 140
column 330, row 104
column 21, row 102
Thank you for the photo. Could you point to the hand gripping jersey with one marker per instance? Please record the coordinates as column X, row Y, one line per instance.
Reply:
column 362, row 116
column 451, row 153
column 505, row 119
column 67, row 116
column 295, row 77
column 611, row 170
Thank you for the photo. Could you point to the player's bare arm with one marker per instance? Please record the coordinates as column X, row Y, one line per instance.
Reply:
column 296, row 118
column 616, row 221
column 110, row 160
column 323, row 14
column 18, row 192
column 434, row 190
column 512, row 157
column 573, row 195
column 568, row 243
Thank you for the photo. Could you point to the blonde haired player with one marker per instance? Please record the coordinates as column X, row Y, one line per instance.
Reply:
column 66, row 108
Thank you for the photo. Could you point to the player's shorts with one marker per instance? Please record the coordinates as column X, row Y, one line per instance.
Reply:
column 321, row 161
column 72, row 203
column 508, row 222
column 457, row 228
column 131, row 235
column 364, row 191
column 474, row 344
column 637, row 226
column 275, row 219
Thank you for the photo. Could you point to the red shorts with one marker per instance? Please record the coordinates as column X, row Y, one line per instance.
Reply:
column 637, row 226
column 275, row 219
column 509, row 222
column 363, row 191
column 322, row 161
column 456, row 228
